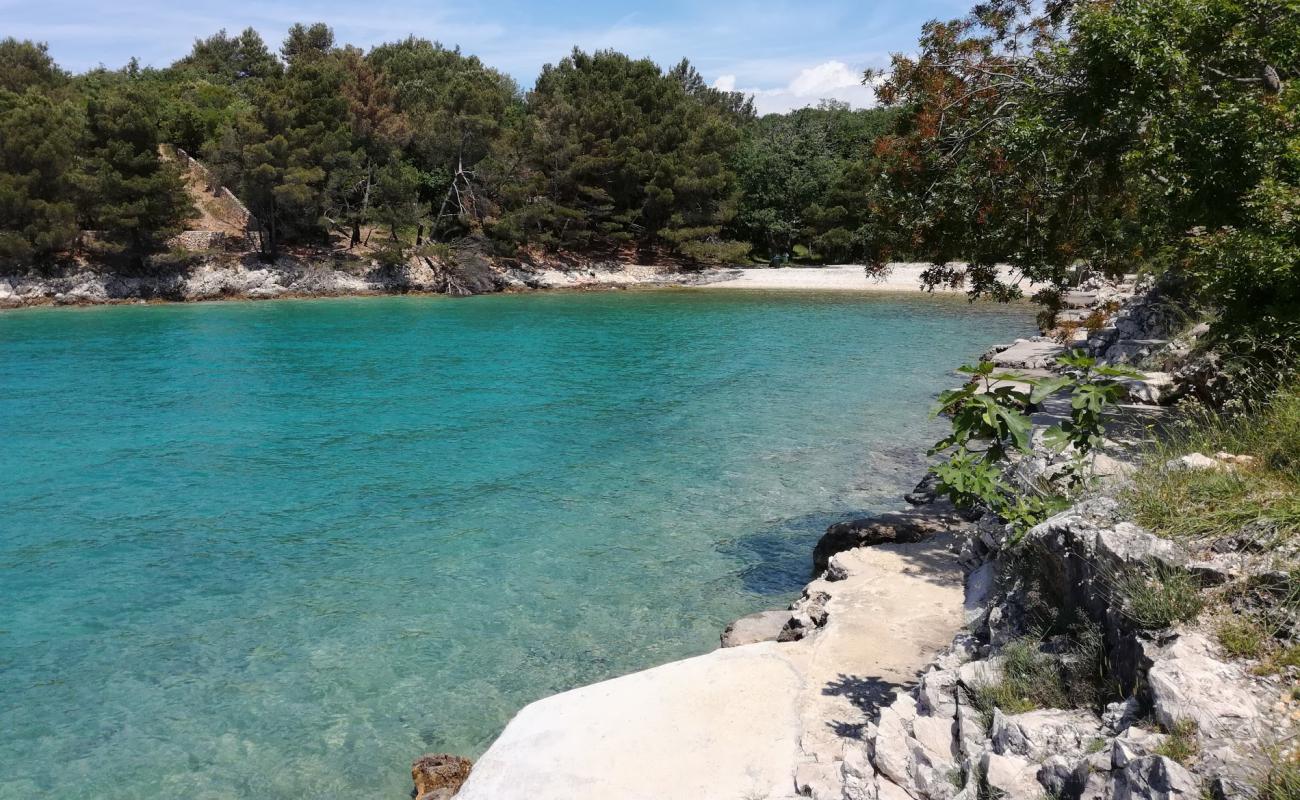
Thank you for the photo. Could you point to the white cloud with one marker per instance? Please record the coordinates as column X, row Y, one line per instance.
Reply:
column 829, row 80
column 825, row 77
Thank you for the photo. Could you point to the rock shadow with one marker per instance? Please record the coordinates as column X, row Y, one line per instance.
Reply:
column 868, row 693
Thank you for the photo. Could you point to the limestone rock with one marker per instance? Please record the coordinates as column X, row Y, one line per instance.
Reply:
column 807, row 615
column 1151, row 388
column 819, row 781
column 1120, row 715
column 440, row 776
column 974, row 674
column 979, row 594
column 1155, row 778
column 972, row 740
column 1127, row 545
column 1187, row 683
column 936, row 735
column 937, row 694
column 764, row 626
column 1036, row 735
column 859, row 776
column 888, row 790
column 1233, row 460
column 1013, row 776
column 1133, row 744
column 1039, row 352
column 1194, row 462
column 891, row 751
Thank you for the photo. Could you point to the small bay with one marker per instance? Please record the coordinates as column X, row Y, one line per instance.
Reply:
column 277, row 550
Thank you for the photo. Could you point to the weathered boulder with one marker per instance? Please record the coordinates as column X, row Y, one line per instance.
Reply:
column 807, row 614
column 1187, row 683
column 1155, row 778
column 1039, row 352
column 764, row 626
column 1127, row 545
column 1133, row 744
column 890, row 750
column 1035, row 735
column 1121, row 714
column 860, row 781
column 912, row 525
column 937, row 693
column 439, row 776
column 1194, row 462
column 1013, row 776
column 1151, row 388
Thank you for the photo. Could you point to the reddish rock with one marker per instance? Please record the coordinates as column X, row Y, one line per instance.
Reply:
column 439, row 777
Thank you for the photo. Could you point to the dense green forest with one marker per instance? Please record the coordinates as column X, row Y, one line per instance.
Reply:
column 1061, row 137
column 428, row 145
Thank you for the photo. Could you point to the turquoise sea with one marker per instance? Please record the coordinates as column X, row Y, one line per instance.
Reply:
column 277, row 550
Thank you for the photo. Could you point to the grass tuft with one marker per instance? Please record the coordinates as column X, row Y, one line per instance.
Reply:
column 1242, row 636
column 1283, row 779
column 1030, row 679
column 1181, row 745
column 1158, row 601
column 1263, row 498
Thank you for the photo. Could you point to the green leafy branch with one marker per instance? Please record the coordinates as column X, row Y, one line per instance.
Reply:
column 991, row 422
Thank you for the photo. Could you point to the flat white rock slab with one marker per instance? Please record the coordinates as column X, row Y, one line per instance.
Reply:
column 737, row 723
column 720, row 725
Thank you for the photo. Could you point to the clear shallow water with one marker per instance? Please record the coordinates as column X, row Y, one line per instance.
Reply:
column 276, row 550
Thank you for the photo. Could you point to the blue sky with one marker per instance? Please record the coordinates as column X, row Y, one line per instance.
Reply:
column 787, row 53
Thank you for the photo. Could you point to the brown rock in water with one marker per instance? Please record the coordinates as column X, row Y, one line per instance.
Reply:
column 439, row 777
column 912, row 525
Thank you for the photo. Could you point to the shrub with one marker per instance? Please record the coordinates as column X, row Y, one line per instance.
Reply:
column 990, row 422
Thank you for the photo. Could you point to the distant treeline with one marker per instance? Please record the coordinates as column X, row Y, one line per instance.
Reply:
column 427, row 145
column 1058, row 136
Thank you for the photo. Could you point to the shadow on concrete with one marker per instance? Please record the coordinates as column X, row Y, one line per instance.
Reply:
column 869, row 693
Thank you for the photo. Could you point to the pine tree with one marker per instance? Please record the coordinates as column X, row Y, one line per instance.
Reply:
column 129, row 192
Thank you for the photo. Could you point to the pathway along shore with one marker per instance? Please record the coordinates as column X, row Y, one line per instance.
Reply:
column 741, row 722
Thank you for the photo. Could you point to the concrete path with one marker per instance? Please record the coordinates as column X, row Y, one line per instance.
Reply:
column 739, row 723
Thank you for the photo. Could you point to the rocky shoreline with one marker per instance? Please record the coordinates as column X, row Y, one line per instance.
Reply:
column 248, row 278
column 228, row 276
column 882, row 681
